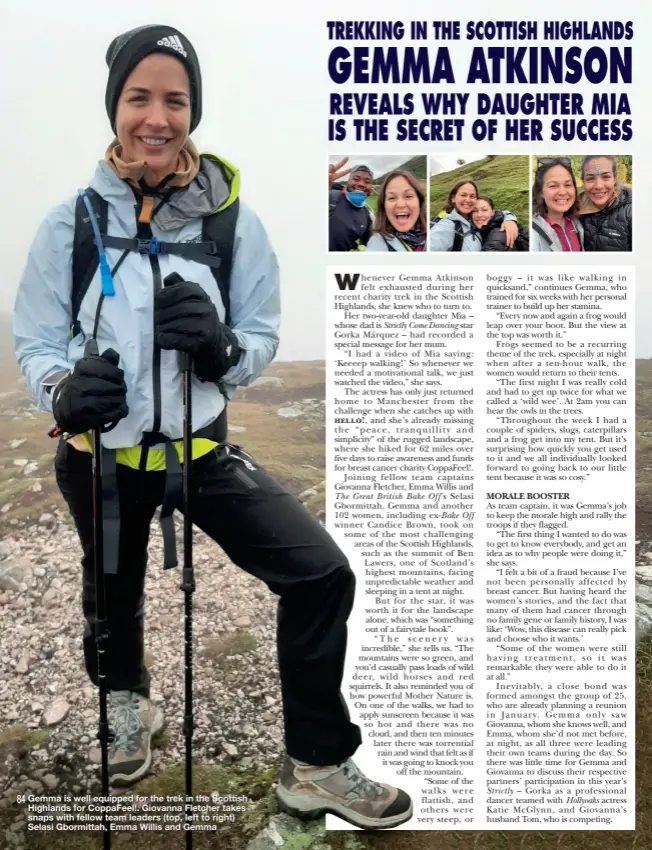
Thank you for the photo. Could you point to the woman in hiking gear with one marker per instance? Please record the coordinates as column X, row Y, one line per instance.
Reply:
column 488, row 221
column 555, row 225
column 605, row 206
column 457, row 232
column 400, row 223
column 160, row 199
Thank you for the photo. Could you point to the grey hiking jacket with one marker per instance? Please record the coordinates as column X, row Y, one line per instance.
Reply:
column 551, row 243
column 42, row 314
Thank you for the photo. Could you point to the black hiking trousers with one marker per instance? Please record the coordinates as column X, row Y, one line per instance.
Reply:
column 265, row 531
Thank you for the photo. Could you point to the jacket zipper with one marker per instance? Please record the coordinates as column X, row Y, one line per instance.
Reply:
column 144, row 231
column 156, row 356
column 565, row 235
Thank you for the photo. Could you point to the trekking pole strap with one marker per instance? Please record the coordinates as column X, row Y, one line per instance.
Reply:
column 173, row 487
column 110, row 512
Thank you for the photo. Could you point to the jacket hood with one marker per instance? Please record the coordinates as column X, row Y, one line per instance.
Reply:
column 215, row 187
column 454, row 215
column 543, row 224
column 587, row 206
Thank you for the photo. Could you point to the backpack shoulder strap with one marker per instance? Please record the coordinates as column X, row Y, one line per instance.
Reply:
column 334, row 196
column 458, row 239
column 85, row 259
column 220, row 228
column 542, row 233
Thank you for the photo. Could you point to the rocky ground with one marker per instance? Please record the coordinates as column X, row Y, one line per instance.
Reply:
column 48, row 707
column 644, row 592
column 49, row 711
column 45, row 695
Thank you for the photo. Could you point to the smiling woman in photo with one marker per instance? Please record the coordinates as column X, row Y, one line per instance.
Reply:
column 605, row 206
column 555, row 225
column 488, row 221
column 457, row 232
column 400, row 223
column 192, row 302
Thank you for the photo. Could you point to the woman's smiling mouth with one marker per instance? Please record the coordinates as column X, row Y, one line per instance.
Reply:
column 152, row 141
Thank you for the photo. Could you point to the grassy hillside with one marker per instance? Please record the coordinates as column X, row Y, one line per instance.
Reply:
column 505, row 179
column 417, row 165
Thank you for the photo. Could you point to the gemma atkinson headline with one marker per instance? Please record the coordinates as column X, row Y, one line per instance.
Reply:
column 485, row 80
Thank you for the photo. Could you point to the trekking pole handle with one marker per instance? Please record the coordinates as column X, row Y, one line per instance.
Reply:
column 91, row 350
column 185, row 360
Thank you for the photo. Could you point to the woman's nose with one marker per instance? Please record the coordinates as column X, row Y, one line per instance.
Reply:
column 157, row 115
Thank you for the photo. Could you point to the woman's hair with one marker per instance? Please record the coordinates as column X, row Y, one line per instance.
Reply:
column 487, row 200
column 618, row 186
column 382, row 224
column 450, row 206
column 538, row 204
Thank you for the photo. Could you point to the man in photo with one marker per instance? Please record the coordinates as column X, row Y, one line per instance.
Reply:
column 349, row 218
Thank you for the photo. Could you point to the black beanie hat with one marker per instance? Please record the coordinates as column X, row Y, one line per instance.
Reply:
column 127, row 50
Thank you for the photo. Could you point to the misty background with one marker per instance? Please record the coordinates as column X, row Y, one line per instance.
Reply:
column 265, row 90
column 258, row 112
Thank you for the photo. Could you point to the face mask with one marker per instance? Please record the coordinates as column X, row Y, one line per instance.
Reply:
column 356, row 198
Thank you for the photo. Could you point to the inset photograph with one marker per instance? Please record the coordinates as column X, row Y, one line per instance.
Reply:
column 479, row 203
column 582, row 203
column 377, row 203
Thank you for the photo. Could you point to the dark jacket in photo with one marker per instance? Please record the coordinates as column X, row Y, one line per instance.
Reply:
column 349, row 227
column 493, row 239
column 609, row 229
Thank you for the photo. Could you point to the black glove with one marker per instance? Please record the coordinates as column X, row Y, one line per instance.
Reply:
column 94, row 394
column 185, row 319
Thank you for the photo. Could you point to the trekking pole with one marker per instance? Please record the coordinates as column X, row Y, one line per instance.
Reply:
column 101, row 632
column 188, row 577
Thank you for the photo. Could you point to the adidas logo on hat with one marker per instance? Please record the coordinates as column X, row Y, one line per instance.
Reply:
column 174, row 42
